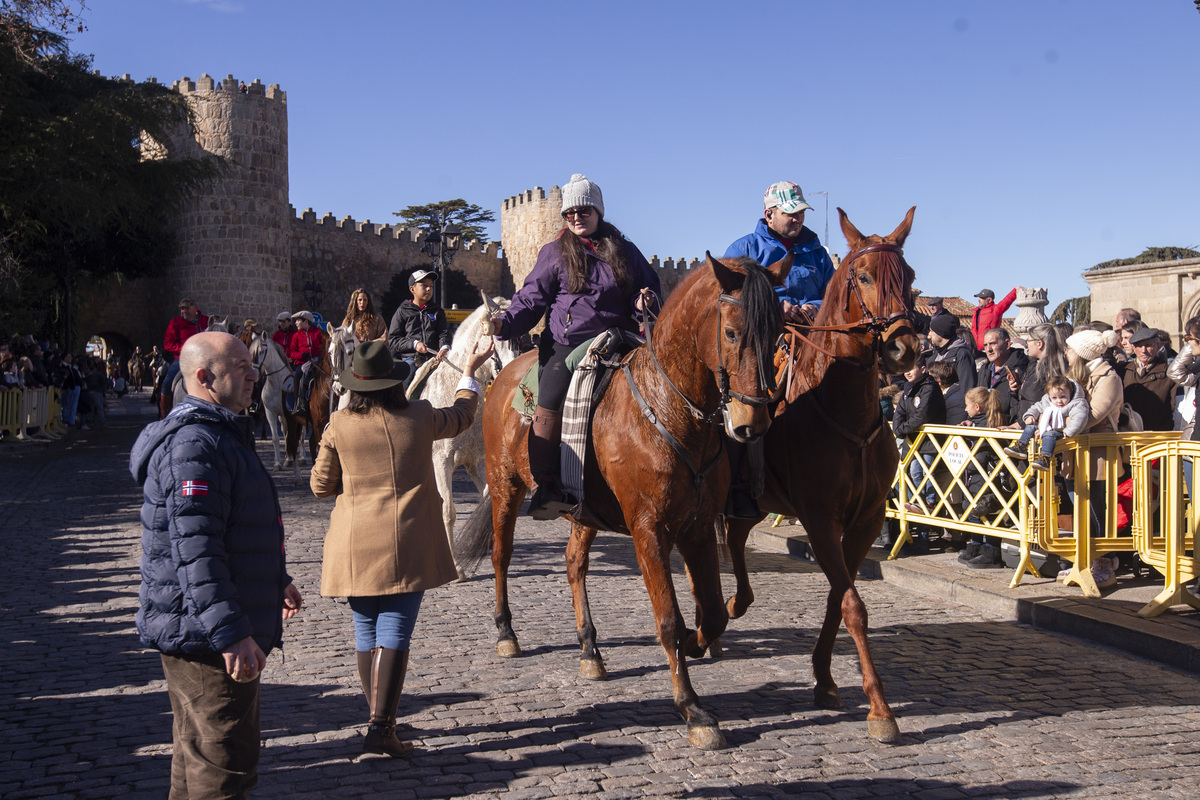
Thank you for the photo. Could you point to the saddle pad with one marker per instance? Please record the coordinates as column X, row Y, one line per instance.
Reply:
column 525, row 399
column 577, row 414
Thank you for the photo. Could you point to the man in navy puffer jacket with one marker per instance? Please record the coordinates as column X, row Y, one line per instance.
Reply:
column 214, row 590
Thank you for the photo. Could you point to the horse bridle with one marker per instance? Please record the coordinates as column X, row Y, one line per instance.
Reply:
column 259, row 363
column 874, row 323
column 726, row 393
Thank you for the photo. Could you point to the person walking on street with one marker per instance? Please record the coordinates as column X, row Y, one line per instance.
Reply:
column 215, row 590
column 387, row 543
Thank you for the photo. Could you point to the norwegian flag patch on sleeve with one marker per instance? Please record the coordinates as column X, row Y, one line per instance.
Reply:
column 195, row 488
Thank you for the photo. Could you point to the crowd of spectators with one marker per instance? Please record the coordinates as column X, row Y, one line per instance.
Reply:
column 85, row 380
column 1119, row 376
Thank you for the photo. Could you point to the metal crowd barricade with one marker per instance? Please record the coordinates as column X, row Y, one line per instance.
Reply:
column 54, row 424
column 1164, row 520
column 35, row 413
column 969, row 466
column 11, row 405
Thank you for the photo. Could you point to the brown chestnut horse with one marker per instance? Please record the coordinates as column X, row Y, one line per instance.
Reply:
column 830, row 457
column 656, row 461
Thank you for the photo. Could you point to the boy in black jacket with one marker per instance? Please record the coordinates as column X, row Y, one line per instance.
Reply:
column 921, row 403
column 419, row 331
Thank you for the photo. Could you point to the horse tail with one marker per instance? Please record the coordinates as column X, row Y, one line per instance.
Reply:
column 473, row 541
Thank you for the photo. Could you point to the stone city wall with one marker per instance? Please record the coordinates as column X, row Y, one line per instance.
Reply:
column 343, row 255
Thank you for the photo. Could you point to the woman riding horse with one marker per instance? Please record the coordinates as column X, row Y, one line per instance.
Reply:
column 590, row 279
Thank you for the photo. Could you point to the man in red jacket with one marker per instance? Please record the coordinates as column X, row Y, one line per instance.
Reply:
column 189, row 322
column 989, row 314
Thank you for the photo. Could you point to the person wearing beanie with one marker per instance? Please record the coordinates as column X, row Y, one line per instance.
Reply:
column 1105, row 396
column 781, row 230
column 949, row 348
column 588, row 280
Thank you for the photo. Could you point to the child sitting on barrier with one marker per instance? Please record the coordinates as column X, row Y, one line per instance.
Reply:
column 1061, row 413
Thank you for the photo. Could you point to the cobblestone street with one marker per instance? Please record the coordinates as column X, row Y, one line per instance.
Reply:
column 987, row 708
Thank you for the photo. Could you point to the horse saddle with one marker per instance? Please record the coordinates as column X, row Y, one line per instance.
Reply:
column 608, row 349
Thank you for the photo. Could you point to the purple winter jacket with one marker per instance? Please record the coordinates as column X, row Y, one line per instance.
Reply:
column 575, row 318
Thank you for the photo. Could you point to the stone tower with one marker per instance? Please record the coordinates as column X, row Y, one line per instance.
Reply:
column 233, row 236
column 527, row 222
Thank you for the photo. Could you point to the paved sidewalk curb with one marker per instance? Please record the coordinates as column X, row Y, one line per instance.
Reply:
column 1171, row 639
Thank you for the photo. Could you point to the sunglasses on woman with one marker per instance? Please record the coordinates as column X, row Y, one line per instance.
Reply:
column 577, row 213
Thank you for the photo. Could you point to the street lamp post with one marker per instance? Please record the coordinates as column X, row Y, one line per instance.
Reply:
column 441, row 244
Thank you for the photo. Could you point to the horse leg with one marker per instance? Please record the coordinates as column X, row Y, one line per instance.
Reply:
column 506, row 504
column 273, row 423
column 845, row 603
column 654, row 558
column 738, row 531
column 704, row 575
column 591, row 663
column 443, row 476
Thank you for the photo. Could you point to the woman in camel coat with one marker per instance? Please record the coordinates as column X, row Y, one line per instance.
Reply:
column 386, row 542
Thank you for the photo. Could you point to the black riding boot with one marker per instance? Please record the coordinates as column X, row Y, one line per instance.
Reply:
column 302, row 394
column 545, row 438
column 739, row 502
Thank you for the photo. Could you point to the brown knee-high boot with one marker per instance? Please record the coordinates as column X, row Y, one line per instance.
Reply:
column 387, row 680
column 366, row 668
column 545, row 436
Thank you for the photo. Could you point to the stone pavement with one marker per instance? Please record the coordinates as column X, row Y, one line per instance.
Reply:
column 989, row 708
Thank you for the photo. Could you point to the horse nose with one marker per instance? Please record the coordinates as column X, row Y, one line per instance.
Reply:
column 746, row 434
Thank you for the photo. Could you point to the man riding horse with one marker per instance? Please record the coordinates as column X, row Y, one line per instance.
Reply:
column 780, row 231
column 189, row 322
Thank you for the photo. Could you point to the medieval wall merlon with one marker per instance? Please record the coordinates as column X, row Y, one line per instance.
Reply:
column 382, row 230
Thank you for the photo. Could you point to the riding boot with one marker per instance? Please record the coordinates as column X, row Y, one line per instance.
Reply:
column 545, row 437
column 302, row 395
column 387, row 680
column 366, row 669
column 740, row 502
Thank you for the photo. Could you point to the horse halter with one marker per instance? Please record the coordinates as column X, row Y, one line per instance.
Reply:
column 726, row 394
column 891, row 284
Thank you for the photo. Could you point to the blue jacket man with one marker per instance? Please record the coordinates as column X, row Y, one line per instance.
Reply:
column 782, row 229
column 214, row 589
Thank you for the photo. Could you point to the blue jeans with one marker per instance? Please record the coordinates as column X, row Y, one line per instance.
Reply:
column 385, row 620
column 70, row 401
column 1050, row 439
column 916, row 470
column 172, row 374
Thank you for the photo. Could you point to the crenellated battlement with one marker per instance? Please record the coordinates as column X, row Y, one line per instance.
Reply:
column 228, row 85
column 401, row 233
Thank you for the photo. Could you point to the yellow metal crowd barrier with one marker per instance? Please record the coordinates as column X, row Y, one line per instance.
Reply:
column 971, row 485
column 10, row 411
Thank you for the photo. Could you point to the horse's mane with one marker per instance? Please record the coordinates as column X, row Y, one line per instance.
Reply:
column 761, row 316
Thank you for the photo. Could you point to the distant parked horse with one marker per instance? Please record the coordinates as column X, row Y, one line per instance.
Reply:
column 273, row 369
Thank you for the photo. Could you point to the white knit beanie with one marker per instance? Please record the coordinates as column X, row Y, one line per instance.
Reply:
column 1090, row 345
column 579, row 192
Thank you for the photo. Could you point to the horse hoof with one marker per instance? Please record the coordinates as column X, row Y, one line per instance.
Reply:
column 508, row 648
column 592, row 669
column 827, row 698
column 715, row 650
column 735, row 608
column 706, row 738
column 884, row 730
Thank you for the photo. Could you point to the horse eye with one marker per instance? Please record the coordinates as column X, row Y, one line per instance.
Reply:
column 864, row 279
column 730, row 335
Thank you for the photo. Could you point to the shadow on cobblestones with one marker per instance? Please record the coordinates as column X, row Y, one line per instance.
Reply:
column 988, row 709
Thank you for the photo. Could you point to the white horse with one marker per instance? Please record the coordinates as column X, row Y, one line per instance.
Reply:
column 272, row 365
column 342, row 342
column 466, row 449
column 215, row 323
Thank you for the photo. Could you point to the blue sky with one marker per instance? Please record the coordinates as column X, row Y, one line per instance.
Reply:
column 1036, row 137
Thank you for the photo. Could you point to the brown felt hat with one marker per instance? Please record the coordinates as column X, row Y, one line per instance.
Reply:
column 373, row 368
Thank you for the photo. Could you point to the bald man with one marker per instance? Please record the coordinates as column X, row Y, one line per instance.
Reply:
column 214, row 590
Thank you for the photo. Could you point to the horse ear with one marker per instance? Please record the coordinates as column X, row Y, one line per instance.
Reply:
column 729, row 280
column 901, row 233
column 487, row 301
column 780, row 269
column 329, row 328
column 853, row 238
